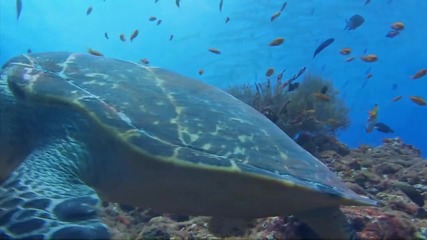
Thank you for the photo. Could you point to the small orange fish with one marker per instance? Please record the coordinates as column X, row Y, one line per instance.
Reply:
column 122, row 37
column 345, row 51
column 89, row 10
column 152, row 19
column 418, row 100
column 369, row 75
column 369, row 58
column 269, row 72
column 144, row 61
column 201, row 72
column 274, row 16
column 94, row 52
column 420, row 74
column 214, row 50
column 373, row 113
column 349, row 59
column 276, row 42
column 396, row 99
column 322, row 97
column 397, row 26
column 134, row 35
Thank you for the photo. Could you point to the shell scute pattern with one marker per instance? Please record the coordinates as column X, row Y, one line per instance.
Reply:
column 165, row 114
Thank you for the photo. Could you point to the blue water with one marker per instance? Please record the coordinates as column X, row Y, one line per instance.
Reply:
column 53, row 25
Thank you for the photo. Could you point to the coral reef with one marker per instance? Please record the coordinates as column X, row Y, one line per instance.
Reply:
column 378, row 172
column 312, row 106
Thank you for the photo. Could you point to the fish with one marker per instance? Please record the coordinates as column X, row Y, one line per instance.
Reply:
column 392, row 33
column 369, row 75
column 171, row 37
column 322, row 97
column 283, row 6
column 159, row 21
column 293, row 86
column 323, row 45
column 280, row 75
column 94, row 52
column 89, row 10
column 324, row 90
column 276, row 42
column 381, row 127
column 155, row 1
column 134, row 35
column 177, row 2
column 418, row 100
column 201, row 71
column 293, row 78
column 364, row 84
column 227, row 19
column 300, row 72
column 349, row 59
column 152, row 19
column 220, row 5
column 394, row 86
column 214, row 50
column 345, row 51
column 144, row 61
column 397, row 26
column 274, row 16
column 419, row 74
column 18, row 8
column 122, row 37
column 354, row 22
column 269, row 72
column 29, row 50
column 277, row 14
column 106, row 35
column 372, row 119
column 369, row 58
column 373, row 113
column 395, row 99
column 367, row 1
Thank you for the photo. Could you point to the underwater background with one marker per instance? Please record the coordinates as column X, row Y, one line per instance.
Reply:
column 179, row 38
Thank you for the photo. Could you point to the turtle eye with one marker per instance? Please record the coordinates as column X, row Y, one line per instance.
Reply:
column 17, row 78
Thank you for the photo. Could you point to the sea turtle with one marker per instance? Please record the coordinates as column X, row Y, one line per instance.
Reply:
column 76, row 128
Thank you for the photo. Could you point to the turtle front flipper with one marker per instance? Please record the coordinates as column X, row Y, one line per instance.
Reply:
column 328, row 223
column 44, row 197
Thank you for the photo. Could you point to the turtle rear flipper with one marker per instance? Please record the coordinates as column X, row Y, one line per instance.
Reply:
column 329, row 223
column 45, row 198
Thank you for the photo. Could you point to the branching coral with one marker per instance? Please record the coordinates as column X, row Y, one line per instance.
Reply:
column 314, row 107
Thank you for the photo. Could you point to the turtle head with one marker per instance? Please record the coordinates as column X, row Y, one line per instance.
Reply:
column 14, row 121
column 23, row 121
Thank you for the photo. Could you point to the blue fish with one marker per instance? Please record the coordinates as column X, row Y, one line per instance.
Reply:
column 381, row 127
column 322, row 46
column 354, row 22
column 18, row 8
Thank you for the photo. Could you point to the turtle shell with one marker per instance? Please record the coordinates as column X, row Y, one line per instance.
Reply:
column 172, row 118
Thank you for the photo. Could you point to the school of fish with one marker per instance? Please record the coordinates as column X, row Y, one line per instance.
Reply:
column 351, row 24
